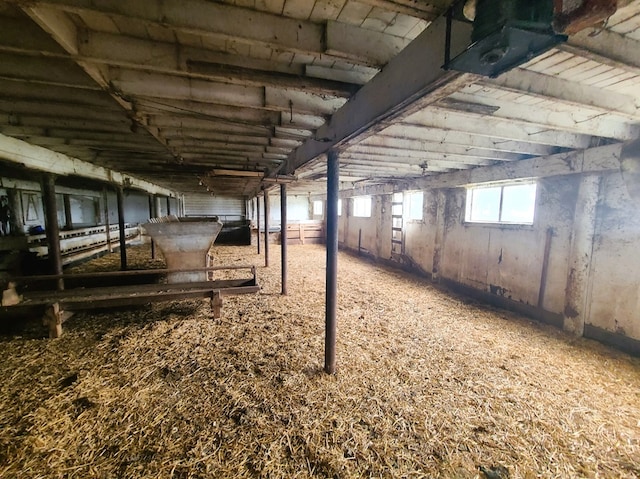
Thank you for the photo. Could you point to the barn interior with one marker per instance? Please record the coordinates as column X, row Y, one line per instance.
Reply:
column 414, row 225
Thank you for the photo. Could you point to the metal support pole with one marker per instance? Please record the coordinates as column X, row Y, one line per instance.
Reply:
column 107, row 226
column 68, row 221
column 52, row 227
column 332, row 263
column 153, row 213
column 168, row 205
column 258, row 220
column 123, row 238
column 266, row 228
column 283, row 235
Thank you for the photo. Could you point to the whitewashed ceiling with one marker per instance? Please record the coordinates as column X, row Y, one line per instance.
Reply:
column 177, row 92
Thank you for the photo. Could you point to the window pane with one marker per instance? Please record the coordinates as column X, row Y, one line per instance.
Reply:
column 396, row 210
column 317, row 208
column 415, row 205
column 518, row 203
column 339, row 207
column 362, row 206
column 485, row 204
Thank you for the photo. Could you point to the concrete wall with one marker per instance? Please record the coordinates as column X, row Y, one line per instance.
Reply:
column 614, row 277
column 371, row 235
column 503, row 264
column 298, row 210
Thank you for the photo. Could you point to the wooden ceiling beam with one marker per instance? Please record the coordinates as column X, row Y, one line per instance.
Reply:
column 509, row 130
column 216, row 20
column 42, row 159
column 467, row 139
column 580, row 121
column 568, row 92
column 403, row 144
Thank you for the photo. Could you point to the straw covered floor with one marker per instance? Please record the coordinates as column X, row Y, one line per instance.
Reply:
column 429, row 385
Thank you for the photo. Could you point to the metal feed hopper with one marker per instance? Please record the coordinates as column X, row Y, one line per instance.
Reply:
column 184, row 243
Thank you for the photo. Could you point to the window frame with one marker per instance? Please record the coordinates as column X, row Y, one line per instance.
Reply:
column 317, row 205
column 499, row 222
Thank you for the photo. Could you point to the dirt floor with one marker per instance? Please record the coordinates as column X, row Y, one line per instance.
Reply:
column 429, row 385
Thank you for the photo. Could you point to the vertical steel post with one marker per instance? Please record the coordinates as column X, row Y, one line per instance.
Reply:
column 266, row 228
column 123, row 238
column 332, row 263
column 258, row 220
column 68, row 221
column 107, row 226
column 52, row 227
column 283, row 235
column 153, row 213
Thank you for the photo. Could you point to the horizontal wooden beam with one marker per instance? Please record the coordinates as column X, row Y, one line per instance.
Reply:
column 602, row 159
column 381, row 143
column 466, row 139
column 581, row 121
column 247, row 76
column 561, row 90
column 217, row 20
column 607, row 47
column 510, row 130
column 42, row 159
column 594, row 160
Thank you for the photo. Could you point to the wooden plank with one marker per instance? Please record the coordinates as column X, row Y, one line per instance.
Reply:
column 42, row 159
column 133, row 272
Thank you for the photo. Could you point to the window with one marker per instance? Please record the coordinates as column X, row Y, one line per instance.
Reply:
column 414, row 205
column 362, row 206
column 339, row 206
column 510, row 204
column 317, row 208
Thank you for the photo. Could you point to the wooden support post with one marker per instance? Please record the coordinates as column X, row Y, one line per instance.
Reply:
column 168, row 206
column 258, row 220
column 53, row 317
column 581, row 249
column 266, row 228
column 301, row 233
column 68, row 221
column 123, row 237
column 283, row 235
column 52, row 227
column 16, row 221
column 332, row 263
column 216, row 304
column 107, row 225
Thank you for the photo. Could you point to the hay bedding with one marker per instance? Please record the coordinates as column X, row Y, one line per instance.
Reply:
column 429, row 385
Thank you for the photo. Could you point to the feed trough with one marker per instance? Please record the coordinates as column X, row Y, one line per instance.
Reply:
column 184, row 243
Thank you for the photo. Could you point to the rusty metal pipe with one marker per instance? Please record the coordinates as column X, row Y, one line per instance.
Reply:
column 258, row 220
column 283, row 235
column 107, row 226
column 266, row 228
column 331, row 307
column 123, row 237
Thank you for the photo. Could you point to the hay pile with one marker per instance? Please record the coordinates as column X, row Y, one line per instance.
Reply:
column 429, row 385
